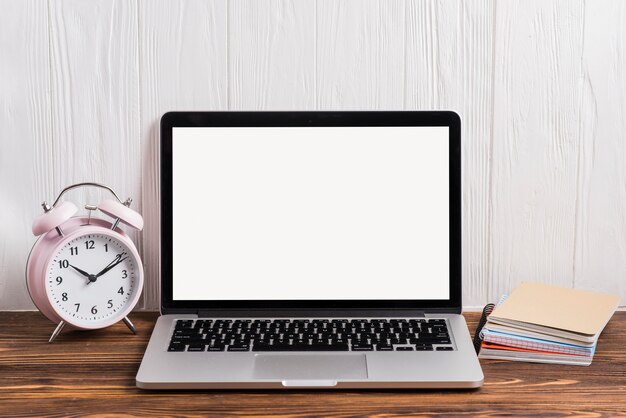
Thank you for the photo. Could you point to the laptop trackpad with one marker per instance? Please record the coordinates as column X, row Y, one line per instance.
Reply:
column 307, row 367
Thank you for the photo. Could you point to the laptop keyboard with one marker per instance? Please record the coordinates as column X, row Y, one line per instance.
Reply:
column 259, row 335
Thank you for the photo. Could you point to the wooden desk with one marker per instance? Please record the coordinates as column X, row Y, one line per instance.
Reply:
column 94, row 373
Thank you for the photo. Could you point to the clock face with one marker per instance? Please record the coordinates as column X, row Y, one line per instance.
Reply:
column 92, row 279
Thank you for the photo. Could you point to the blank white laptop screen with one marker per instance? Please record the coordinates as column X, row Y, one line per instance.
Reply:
column 300, row 213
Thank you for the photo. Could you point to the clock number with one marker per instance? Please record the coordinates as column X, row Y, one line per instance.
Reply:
column 106, row 248
column 77, row 306
column 74, row 250
column 64, row 296
column 121, row 291
column 63, row 264
column 89, row 244
column 109, row 303
column 59, row 280
column 94, row 310
column 125, row 274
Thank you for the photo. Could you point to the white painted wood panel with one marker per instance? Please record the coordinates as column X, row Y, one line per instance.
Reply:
column 600, row 241
column 540, row 86
column 360, row 54
column 449, row 64
column 183, row 66
column 271, row 54
column 25, row 139
column 538, row 46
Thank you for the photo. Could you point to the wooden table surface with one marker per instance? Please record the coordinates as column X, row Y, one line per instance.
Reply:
column 85, row 373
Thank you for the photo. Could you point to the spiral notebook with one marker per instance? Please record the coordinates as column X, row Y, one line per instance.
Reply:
column 497, row 352
column 519, row 341
column 575, row 314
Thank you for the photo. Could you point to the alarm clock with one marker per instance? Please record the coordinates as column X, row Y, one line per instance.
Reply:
column 85, row 272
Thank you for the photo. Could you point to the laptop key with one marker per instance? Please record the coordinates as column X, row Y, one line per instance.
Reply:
column 362, row 347
column 218, row 347
column 239, row 347
column 184, row 337
column 384, row 347
column 266, row 347
column 404, row 348
column 300, row 347
column 185, row 331
column 184, row 324
column 423, row 348
column 176, row 347
column 196, row 347
column 445, row 348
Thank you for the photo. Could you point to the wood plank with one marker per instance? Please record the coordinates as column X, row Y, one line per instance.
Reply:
column 600, row 261
column 360, row 54
column 94, row 91
column 271, row 54
column 535, row 142
column 183, row 62
column 25, row 163
column 93, row 372
column 449, row 64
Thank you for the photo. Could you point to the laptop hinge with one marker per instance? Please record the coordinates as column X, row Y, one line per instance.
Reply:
column 334, row 313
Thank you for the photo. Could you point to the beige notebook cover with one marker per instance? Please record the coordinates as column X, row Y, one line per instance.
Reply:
column 571, row 310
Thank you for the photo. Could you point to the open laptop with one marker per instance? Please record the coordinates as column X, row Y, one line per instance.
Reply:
column 310, row 250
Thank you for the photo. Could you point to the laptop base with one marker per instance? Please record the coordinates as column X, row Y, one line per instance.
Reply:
column 161, row 369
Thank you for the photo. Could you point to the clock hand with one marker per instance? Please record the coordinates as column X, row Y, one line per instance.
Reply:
column 110, row 267
column 118, row 259
column 91, row 277
column 83, row 272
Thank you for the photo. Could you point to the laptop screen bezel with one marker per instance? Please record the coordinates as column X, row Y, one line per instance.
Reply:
column 172, row 120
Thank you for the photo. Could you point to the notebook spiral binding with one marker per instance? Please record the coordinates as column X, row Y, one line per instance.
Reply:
column 483, row 320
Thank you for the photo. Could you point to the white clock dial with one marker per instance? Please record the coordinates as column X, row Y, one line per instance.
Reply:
column 92, row 278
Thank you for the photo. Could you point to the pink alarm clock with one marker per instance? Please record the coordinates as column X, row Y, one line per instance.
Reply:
column 84, row 272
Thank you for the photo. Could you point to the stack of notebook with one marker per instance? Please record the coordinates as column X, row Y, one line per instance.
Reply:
column 547, row 324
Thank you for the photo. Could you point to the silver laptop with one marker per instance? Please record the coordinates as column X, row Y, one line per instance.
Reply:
column 310, row 250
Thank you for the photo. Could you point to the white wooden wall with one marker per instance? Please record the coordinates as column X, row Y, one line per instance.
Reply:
column 540, row 85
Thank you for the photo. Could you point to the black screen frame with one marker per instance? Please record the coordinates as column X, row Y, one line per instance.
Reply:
column 171, row 120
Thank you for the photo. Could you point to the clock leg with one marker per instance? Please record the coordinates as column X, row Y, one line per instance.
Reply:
column 57, row 331
column 130, row 325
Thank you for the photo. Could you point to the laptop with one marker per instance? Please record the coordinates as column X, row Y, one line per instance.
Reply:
column 310, row 250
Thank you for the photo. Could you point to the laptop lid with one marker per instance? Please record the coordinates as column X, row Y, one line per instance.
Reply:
column 310, row 212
